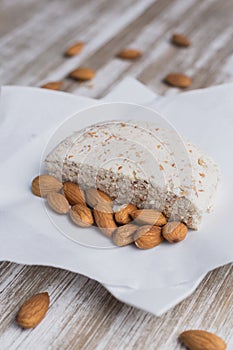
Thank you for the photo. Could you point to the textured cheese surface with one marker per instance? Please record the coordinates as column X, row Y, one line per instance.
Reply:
column 141, row 163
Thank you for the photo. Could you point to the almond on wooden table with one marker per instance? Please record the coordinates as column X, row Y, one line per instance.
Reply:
column 104, row 219
column 94, row 197
column 124, row 235
column 42, row 185
column 82, row 74
column 148, row 217
column 178, row 80
column 53, row 85
column 130, row 54
column 202, row 340
column 174, row 231
column 122, row 216
column 58, row 202
column 73, row 193
column 33, row 310
column 180, row 40
column 81, row 215
column 74, row 49
column 147, row 237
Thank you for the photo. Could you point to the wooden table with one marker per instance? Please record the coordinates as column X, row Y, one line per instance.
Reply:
column 34, row 35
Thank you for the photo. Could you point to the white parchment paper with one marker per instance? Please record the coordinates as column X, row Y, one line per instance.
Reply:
column 28, row 116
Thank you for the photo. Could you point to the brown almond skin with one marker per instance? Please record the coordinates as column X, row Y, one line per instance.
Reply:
column 81, row 215
column 147, row 237
column 42, row 185
column 82, row 74
column 149, row 217
column 178, row 80
column 202, row 340
column 123, row 216
column 124, row 235
column 74, row 49
column 180, row 40
column 53, row 85
column 94, row 197
column 33, row 310
column 174, row 231
column 73, row 193
column 58, row 202
column 129, row 54
column 104, row 219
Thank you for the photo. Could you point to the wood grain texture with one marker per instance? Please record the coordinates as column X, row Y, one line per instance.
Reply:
column 34, row 36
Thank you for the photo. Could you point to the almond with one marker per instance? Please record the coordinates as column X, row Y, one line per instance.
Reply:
column 104, row 219
column 94, row 197
column 73, row 193
column 81, row 215
column 147, row 237
column 149, row 217
column 74, row 49
column 124, row 235
column 33, row 310
column 129, row 54
column 82, row 74
column 178, row 80
column 180, row 40
column 202, row 340
column 53, row 85
column 122, row 216
column 42, row 185
column 174, row 231
column 58, row 202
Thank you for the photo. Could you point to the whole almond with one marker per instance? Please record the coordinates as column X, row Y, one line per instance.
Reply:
column 122, row 216
column 178, row 80
column 202, row 340
column 81, row 215
column 53, row 85
column 74, row 49
column 58, row 202
column 129, row 54
column 104, row 219
column 180, row 40
column 174, row 231
column 73, row 193
column 94, row 197
column 33, row 310
column 124, row 235
column 149, row 217
column 42, row 185
column 147, row 237
column 82, row 74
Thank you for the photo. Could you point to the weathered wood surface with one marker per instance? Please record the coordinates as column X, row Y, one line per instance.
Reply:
column 34, row 35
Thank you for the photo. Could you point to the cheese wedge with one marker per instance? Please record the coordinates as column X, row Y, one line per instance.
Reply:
column 139, row 163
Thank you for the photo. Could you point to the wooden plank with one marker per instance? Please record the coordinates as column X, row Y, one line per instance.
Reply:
column 44, row 59
column 34, row 35
column 84, row 315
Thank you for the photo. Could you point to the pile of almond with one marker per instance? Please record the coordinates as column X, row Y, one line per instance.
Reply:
column 146, row 228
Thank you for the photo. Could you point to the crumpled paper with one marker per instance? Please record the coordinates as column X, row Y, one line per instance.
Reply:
column 28, row 117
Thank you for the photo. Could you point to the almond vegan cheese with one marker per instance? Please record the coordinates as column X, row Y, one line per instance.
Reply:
column 142, row 164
